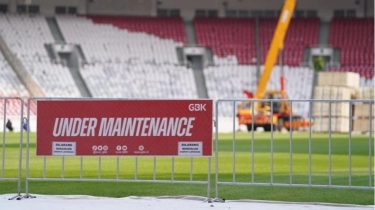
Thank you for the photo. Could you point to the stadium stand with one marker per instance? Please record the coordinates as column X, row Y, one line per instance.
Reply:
column 302, row 33
column 10, row 86
column 133, row 80
column 355, row 38
column 26, row 36
column 233, row 44
column 135, row 57
column 232, row 39
column 165, row 28
column 229, row 82
column 129, row 64
column 236, row 37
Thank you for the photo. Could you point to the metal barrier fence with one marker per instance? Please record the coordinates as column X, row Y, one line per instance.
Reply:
column 317, row 157
column 12, row 108
column 112, row 169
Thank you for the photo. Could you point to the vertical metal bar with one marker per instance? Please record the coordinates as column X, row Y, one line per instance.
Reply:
column 310, row 145
column 252, row 142
column 27, row 148
column 99, row 167
column 271, row 142
column 136, row 169
column 3, row 148
column 62, row 166
column 172, row 169
column 81, row 167
column 290, row 144
column 350, row 144
column 234, row 143
column 321, row 116
column 329, row 143
column 44, row 166
column 154, row 173
column 216, row 149
column 117, row 167
column 20, row 152
column 209, row 178
column 370, row 146
column 191, row 168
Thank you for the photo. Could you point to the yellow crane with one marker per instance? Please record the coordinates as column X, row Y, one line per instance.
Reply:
column 281, row 109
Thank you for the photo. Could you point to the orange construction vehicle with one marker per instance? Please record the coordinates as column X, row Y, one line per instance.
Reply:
column 282, row 116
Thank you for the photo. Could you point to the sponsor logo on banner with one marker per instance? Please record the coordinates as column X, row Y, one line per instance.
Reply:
column 99, row 149
column 121, row 149
column 64, row 148
column 189, row 148
column 141, row 150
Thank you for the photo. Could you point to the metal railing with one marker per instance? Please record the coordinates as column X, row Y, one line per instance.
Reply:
column 4, row 142
column 250, row 156
column 290, row 175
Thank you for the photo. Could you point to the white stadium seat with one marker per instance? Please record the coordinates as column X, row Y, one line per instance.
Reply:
column 125, row 64
column 26, row 36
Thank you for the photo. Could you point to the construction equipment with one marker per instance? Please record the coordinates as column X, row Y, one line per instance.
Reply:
column 282, row 115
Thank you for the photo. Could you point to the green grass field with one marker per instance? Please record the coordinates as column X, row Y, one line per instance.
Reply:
column 241, row 171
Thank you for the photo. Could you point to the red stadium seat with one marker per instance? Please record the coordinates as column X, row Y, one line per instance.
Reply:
column 237, row 37
column 355, row 38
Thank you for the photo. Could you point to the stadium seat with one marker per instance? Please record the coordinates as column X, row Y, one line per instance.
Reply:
column 165, row 28
column 26, row 36
column 127, row 60
column 228, row 82
column 355, row 38
column 236, row 37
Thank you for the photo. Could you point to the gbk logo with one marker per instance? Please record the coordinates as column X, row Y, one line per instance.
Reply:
column 197, row 107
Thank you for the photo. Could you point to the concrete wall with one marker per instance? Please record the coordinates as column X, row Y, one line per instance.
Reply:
column 370, row 8
column 325, row 8
column 45, row 6
column 121, row 7
column 116, row 7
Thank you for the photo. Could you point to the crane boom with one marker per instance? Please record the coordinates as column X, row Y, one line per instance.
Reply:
column 276, row 45
column 275, row 114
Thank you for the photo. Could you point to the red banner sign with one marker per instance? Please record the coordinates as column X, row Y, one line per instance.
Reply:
column 124, row 127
